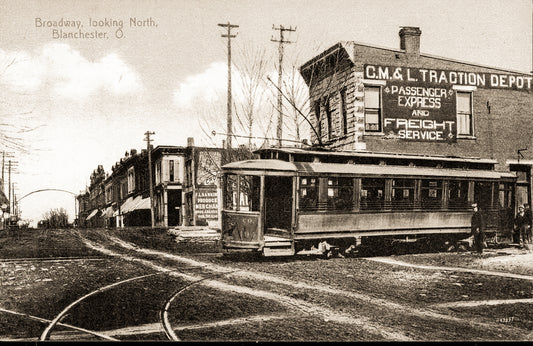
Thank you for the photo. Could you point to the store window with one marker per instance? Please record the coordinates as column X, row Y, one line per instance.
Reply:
column 340, row 193
column 308, row 193
column 464, row 114
column 373, row 109
column 372, row 193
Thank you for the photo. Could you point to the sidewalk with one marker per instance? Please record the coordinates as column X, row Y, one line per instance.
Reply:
column 197, row 233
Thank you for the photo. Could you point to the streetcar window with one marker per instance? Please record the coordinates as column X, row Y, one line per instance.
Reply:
column 506, row 195
column 231, row 192
column 372, row 193
column 483, row 194
column 249, row 192
column 458, row 194
column 308, row 193
column 431, row 194
column 403, row 193
column 340, row 193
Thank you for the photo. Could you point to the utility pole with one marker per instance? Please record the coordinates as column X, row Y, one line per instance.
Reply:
column 9, row 187
column 229, row 36
column 281, row 41
column 3, row 161
column 149, row 149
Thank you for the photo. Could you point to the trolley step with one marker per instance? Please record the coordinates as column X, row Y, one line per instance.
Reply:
column 277, row 246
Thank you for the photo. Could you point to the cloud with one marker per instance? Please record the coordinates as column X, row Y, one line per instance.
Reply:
column 207, row 86
column 68, row 73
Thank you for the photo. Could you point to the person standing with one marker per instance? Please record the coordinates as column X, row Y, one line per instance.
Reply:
column 477, row 224
column 521, row 222
column 529, row 216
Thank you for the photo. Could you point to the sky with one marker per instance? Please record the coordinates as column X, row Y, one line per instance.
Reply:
column 71, row 104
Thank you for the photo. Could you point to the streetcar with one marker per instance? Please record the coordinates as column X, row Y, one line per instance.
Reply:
column 291, row 200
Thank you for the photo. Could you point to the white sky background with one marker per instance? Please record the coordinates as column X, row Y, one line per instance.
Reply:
column 90, row 100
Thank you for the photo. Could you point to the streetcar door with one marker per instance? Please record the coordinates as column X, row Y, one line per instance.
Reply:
column 278, row 205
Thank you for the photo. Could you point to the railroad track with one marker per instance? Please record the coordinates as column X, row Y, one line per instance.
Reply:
column 163, row 315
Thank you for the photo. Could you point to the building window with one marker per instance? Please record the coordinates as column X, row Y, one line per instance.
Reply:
column 131, row 180
column 158, row 177
column 372, row 108
column 171, row 170
column 464, row 113
column 344, row 112
column 318, row 124
column 328, row 105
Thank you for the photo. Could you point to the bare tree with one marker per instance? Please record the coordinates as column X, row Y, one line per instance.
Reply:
column 329, row 73
column 15, row 110
column 56, row 218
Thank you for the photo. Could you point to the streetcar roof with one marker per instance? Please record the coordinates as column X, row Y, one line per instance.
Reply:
column 264, row 165
column 348, row 154
column 303, row 168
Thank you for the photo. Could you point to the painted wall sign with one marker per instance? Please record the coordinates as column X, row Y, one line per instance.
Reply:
column 449, row 77
column 415, row 109
column 207, row 204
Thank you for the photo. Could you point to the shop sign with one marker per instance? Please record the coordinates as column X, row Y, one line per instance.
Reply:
column 419, row 104
column 207, row 204
column 448, row 77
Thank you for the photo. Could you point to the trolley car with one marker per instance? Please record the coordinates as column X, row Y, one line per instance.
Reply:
column 279, row 206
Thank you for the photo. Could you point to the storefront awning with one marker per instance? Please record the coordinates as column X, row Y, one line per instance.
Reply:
column 142, row 203
column 133, row 203
column 92, row 214
column 123, row 207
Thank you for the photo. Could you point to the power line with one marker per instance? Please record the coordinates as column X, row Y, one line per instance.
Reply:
column 281, row 41
column 229, row 36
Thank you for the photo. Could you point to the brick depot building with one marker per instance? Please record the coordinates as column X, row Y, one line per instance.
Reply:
column 380, row 100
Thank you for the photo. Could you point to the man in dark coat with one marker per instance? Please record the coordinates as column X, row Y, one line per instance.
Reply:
column 521, row 222
column 529, row 216
column 477, row 229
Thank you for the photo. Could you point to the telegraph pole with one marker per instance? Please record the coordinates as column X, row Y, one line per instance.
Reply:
column 9, row 187
column 281, row 41
column 147, row 139
column 3, row 161
column 229, row 36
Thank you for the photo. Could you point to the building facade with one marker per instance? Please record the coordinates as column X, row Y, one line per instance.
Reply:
column 169, row 168
column 380, row 100
column 184, row 189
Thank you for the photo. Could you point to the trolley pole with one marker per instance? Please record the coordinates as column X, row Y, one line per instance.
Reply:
column 281, row 41
column 229, row 36
column 149, row 149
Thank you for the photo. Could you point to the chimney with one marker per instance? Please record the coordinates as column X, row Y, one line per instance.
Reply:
column 190, row 141
column 410, row 40
column 133, row 152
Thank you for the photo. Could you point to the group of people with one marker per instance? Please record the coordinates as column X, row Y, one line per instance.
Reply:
column 521, row 231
